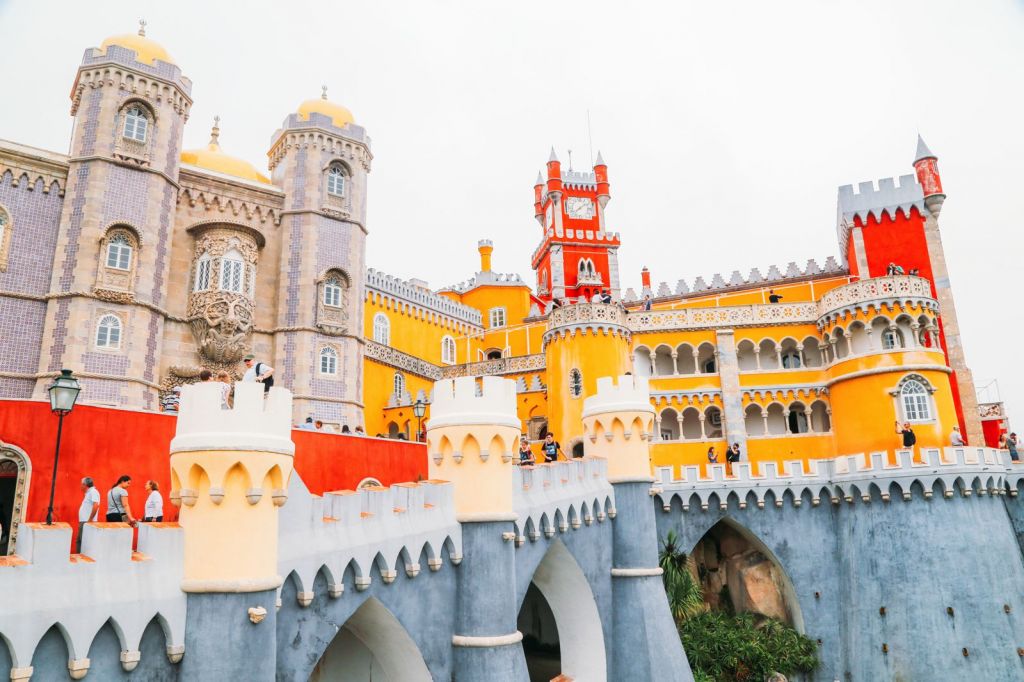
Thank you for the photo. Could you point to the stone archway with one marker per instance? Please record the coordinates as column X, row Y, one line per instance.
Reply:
column 371, row 646
column 15, row 475
column 733, row 564
column 566, row 593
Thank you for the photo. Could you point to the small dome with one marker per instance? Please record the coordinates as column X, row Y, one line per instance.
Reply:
column 212, row 158
column 338, row 114
column 146, row 50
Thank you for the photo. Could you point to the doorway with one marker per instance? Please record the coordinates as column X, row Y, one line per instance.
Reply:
column 15, row 470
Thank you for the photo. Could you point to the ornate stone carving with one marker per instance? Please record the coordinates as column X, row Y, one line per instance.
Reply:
column 513, row 365
column 883, row 290
column 221, row 324
column 725, row 316
column 114, row 296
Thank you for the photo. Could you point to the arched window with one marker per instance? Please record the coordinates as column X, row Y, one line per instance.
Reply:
column 336, row 181
column 232, row 271
column 448, row 350
column 332, row 292
column 135, row 123
column 891, row 339
column 791, row 360
column 108, row 332
column 915, row 400
column 381, row 329
column 328, row 361
column 5, row 238
column 119, row 252
column 399, row 385
column 575, row 383
column 203, row 267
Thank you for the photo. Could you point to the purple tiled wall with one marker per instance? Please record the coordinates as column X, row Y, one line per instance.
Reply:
column 34, row 223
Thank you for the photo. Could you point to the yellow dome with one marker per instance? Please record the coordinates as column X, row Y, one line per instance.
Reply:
column 146, row 50
column 212, row 158
column 339, row 114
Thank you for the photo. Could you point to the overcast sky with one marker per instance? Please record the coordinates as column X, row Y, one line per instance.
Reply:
column 726, row 126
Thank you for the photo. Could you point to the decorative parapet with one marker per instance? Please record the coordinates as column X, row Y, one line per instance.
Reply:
column 386, row 528
column 550, row 498
column 736, row 280
column 43, row 586
column 512, row 365
column 989, row 411
column 399, row 360
column 726, row 316
column 256, row 422
column 617, row 421
column 581, row 236
column 868, row 201
column 498, row 279
column 594, row 317
column 421, row 298
column 967, row 470
column 33, row 166
column 906, row 289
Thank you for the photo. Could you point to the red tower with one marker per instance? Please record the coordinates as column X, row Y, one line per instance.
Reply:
column 577, row 256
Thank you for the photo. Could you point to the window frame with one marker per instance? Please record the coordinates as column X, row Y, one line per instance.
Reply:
column 124, row 251
column 330, row 355
column 203, row 273
column 575, row 383
column 6, row 236
column 916, row 405
column 108, row 331
column 336, row 175
column 449, row 350
column 398, row 386
column 381, row 328
column 497, row 311
column 234, row 268
column 135, row 113
column 332, row 285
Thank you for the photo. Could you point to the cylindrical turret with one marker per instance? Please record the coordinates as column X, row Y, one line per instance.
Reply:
column 538, row 199
column 604, row 189
column 554, row 175
column 617, row 421
column 927, row 166
column 486, row 248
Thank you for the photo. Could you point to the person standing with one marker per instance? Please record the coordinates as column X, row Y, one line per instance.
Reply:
column 89, row 510
column 773, row 297
column 956, row 439
column 118, row 508
column 526, row 457
column 225, row 389
column 712, row 455
column 551, row 448
column 154, row 503
column 647, row 303
column 258, row 371
column 909, row 439
column 1011, row 447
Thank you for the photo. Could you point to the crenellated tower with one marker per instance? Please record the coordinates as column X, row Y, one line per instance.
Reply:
column 130, row 102
column 321, row 158
column 577, row 256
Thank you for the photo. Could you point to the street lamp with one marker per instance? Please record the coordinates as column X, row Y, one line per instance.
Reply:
column 419, row 409
column 63, row 393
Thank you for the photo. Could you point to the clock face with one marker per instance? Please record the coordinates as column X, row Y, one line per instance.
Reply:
column 580, row 208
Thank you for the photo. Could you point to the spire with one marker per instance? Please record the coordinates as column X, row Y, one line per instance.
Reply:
column 323, row 95
column 540, row 179
column 600, row 161
column 142, row 27
column 922, row 150
column 215, row 132
column 553, row 157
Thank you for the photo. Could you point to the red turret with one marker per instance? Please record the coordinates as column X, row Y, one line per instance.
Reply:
column 538, row 199
column 927, row 166
column 554, row 173
column 645, row 279
column 601, row 174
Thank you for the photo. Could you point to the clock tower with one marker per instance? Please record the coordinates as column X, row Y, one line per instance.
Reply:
column 577, row 256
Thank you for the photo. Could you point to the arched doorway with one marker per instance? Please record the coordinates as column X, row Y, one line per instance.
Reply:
column 15, row 471
column 560, row 623
column 372, row 646
column 739, row 574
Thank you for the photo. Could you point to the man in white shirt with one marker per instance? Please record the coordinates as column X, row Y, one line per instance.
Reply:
column 258, row 371
column 89, row 510
column 955, row 439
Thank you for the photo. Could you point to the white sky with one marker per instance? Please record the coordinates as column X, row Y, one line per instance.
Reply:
column 726, row 126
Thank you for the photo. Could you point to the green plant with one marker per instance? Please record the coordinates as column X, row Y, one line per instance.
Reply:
column 685, row 597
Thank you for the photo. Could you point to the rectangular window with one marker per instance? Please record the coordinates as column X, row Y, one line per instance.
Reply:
column 203, row 275
column 497, row 317
column 119, row 256
column 231, row 275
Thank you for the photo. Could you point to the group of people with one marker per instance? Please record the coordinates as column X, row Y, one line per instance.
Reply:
column 732, row 454
column 549, row 447
column 894, row 269
column 119, row 510
column 317, row 425
column 1009, row 443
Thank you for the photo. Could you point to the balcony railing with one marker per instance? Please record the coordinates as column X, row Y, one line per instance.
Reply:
column 875, row 289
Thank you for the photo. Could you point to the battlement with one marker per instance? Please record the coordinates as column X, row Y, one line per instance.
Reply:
column 574, row 179
column 421, row 297
column 967, row 470
column 254, row 423
column 871, row 201
column 556, row 496
column 626, row 393
column 44, row 585
column 489, row 279
column 384, row 528
column 465, row 401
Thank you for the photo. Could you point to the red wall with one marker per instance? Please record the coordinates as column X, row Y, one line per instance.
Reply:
column 105, row 443
column 992, row 428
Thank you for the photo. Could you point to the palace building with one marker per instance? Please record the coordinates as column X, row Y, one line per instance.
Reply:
column 137, row 263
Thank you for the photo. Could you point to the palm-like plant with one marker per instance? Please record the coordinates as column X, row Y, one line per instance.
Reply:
column 685, row 597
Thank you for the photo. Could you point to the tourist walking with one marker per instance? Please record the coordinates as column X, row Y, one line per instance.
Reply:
column 88, row 511
column 526, row 457
column 258, row 371
column 118, row 508
column 551, row 448
column 955, row 438
column 154, row 503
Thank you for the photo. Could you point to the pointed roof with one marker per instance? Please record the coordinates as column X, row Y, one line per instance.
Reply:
column 553, row 157
column 922, row 150
column 540, row 179
column 600, row 161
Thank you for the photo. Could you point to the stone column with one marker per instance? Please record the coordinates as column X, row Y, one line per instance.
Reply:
column 470, row 442
column 230, row 471
column 645, row 643
column 675, row 363
column 734, row 429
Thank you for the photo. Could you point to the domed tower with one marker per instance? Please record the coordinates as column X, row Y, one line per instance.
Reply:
column 583, row 342
column 129, row 103
column 321, row 158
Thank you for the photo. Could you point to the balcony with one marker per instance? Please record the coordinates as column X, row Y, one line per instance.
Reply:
column 878, row 290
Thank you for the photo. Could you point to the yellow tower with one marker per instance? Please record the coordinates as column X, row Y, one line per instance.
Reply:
column 618, row 421
column 583, row 342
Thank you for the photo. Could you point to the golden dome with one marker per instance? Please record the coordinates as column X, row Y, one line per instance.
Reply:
column 146, row 50
column 212, row 158
column 339, row 114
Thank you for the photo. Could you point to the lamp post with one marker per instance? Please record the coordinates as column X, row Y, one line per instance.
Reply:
column 63, row 393
column 419, row 409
